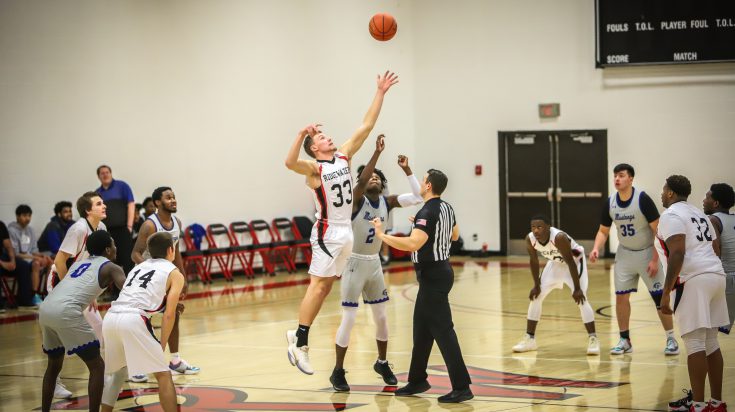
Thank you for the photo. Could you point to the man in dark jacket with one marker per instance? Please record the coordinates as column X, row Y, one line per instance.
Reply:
column 55, row 230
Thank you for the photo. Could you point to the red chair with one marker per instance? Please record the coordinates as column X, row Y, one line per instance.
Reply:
column 8, row 289
column 217, row 251
column 286, row 230
column 241, row 248
column 194, row 257
column 279, row 250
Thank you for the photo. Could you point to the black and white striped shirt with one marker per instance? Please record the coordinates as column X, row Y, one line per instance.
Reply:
column 437, row 220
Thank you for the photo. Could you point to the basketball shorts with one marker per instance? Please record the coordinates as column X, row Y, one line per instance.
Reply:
column 701, row 303
column 129, row 341
column 556, row 274
column 630, row 265
column 363, row 275
column 63, row 330
column 330, row 249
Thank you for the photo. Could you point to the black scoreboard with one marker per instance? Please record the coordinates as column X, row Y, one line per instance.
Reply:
column 636, row 32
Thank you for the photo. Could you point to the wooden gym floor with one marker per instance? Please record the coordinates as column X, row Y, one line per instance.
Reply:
column 236, row 333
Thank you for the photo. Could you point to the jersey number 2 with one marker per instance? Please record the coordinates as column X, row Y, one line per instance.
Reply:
column 347, row 185
column 371, row 235
column 146, row 278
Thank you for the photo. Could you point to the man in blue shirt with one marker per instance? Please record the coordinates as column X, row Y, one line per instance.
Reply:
column 118, row 198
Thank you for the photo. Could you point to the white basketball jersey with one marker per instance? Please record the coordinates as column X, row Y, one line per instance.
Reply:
column 145, row 288
column 75, row 241
column 549, row 250
column 174, row 231
column 683, row 218
column 333, row 197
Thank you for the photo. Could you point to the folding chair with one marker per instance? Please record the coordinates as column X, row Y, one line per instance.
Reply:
column 286, row 230
column 279, row 250
column 241, row 248
column 193, row 255
column 216, row 251
column 8, row 290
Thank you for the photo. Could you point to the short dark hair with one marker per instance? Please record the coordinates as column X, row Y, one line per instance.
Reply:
column 308, row 141
column 146, row 200
column 724, row 194
column 680, row 185
column 542, row 217
column 23, row 210
column 376, row 171
column 624, row 166
column 158, row 193
column 159, row 243
column 84, row 203
column 438, row 181
column 98, row 241
column 60, row 206
column 102, row 167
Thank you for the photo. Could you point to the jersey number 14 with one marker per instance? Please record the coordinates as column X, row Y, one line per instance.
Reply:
column 146, row 278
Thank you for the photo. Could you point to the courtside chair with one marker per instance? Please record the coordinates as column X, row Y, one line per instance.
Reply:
column 241, row 248
column 218, row 239
column 278, row 251
column 193, row 255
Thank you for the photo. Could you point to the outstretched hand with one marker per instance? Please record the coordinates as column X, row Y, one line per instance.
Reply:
column 386, row 81
column 311, row 129
column 402, row 161
column 380, row 143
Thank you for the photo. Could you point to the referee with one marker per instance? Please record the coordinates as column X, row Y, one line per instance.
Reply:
column 434, row 230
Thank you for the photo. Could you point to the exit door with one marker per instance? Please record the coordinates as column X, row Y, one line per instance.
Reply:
column 560, row 174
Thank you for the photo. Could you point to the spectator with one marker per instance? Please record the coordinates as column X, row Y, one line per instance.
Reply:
column 118, row 198
column 10, row 266
column 55, row 230
column 148, row 209
column 25, row 246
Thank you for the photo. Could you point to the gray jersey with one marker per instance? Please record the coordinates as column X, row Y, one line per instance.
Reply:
column 364, row 233
column 78, row 289
column 727, row 241
column 634, row 233
column 174, row 231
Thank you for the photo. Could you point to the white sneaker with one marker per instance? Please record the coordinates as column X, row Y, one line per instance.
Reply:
column 593, row 347
column 623, row 346
column 183, row 368
column 60, row 391
column 298, row 357
column 526, row 344
column 672, row 347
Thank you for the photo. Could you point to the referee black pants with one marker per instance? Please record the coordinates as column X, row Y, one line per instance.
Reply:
column 432, row 321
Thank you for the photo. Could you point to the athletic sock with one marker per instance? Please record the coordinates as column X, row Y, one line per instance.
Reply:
column 383, row 361
column 714, row 402
column 531, row 335
column 625, row 334
column 670, row 334
column 175, row 359
column 302, row 336
column 591, row 334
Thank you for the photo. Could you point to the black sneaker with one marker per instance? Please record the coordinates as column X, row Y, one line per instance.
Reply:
column 413, row 389
column 339, row 383
column 682, row 404
column 383, row 370
column 456, row 396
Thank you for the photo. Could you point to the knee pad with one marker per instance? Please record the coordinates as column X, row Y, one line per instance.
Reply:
column 345, row 327
column 695, row 341
column 711, row 344
column 534, row 309
column 380, row 315
column 113, row 385
column 656, row 296
column 588, row 315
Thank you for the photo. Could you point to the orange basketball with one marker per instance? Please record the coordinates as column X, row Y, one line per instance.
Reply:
column 383, row 27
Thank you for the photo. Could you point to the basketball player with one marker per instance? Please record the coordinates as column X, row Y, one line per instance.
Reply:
column 364, row 273
column 565, row 266
column 717, row 204
column 635, row 216
column 152, row 286
column 92, row 211
column 164, row 221
column 695, row 272
column 331, row 240
column 63, row 326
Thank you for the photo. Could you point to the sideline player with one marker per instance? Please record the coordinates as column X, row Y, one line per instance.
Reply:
column 696, row 274
column 330, row 180
column 63, row 326
column 717, row 204
column 92, row 211
column 152, row 286
column 635, row 216
column 364, row 273
column 164, row 220
column 565, row 266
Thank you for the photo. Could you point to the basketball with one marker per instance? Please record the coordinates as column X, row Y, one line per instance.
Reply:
column 383, row 27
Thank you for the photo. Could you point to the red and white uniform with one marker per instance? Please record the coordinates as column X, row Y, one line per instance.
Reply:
column 75, row 244
column 127, row 327
column 556, row 272
column 331, row 238
column 701, row 304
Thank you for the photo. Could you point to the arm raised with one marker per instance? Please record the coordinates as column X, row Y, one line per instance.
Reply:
column 354, row 143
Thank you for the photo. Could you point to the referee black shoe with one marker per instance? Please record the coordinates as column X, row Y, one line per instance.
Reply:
column 457, row 396
column 413, row 389
column 384, row 371
column 339, row 383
